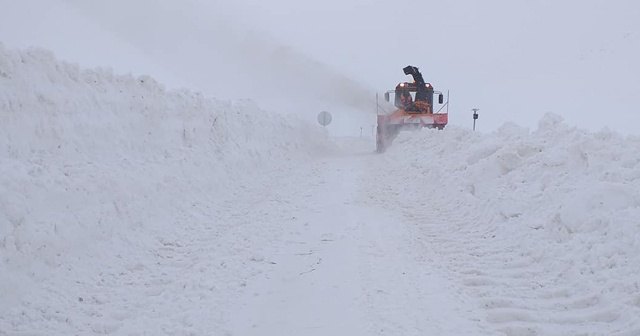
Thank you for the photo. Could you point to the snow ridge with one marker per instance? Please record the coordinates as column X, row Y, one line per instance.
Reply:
column 541, row 227
column 98, row 167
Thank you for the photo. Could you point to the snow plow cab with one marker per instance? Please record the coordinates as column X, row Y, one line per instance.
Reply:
column 414, row 103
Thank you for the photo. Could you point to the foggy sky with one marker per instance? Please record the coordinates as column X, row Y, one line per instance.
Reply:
column 515, row 60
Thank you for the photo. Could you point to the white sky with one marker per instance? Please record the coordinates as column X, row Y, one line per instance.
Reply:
column 515, row 60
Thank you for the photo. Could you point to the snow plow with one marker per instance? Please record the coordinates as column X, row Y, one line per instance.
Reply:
column 414, row 103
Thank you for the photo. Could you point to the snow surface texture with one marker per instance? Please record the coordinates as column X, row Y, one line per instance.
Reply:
column 127, row 209
column 541, row 227
column 102, row 173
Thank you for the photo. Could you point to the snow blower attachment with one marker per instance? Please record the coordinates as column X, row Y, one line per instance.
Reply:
column 414, row 103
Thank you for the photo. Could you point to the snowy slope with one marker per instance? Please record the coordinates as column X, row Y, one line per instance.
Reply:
column 101, row 173
column 540, row 227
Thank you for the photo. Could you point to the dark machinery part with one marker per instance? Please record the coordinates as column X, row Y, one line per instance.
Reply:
column 421, row 88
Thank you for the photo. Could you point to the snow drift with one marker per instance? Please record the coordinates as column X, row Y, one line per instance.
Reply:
column 541, row 227
column 96, row 165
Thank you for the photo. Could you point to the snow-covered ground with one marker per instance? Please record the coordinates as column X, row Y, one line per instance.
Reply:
column 539, row 227
column 128, row 209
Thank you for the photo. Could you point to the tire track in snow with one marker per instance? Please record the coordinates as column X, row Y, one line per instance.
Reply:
column 346, row 266
column 525, row 282
column 509, row 284
column 312, row 287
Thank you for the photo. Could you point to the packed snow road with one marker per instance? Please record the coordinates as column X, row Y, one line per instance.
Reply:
column 342, row 265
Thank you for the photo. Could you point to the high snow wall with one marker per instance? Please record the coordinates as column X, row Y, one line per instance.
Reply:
column 90, row 157
column 541, row 226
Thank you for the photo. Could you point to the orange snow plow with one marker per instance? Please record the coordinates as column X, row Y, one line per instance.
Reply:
column 414, row 103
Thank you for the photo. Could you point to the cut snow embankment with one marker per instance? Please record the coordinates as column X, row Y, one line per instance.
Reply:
column 541, row 227
column 100, row 174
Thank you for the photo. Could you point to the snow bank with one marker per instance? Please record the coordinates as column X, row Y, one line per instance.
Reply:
column 541, row 226
column 95, row 166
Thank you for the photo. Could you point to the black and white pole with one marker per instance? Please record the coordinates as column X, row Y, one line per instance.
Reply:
column 475, row 117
